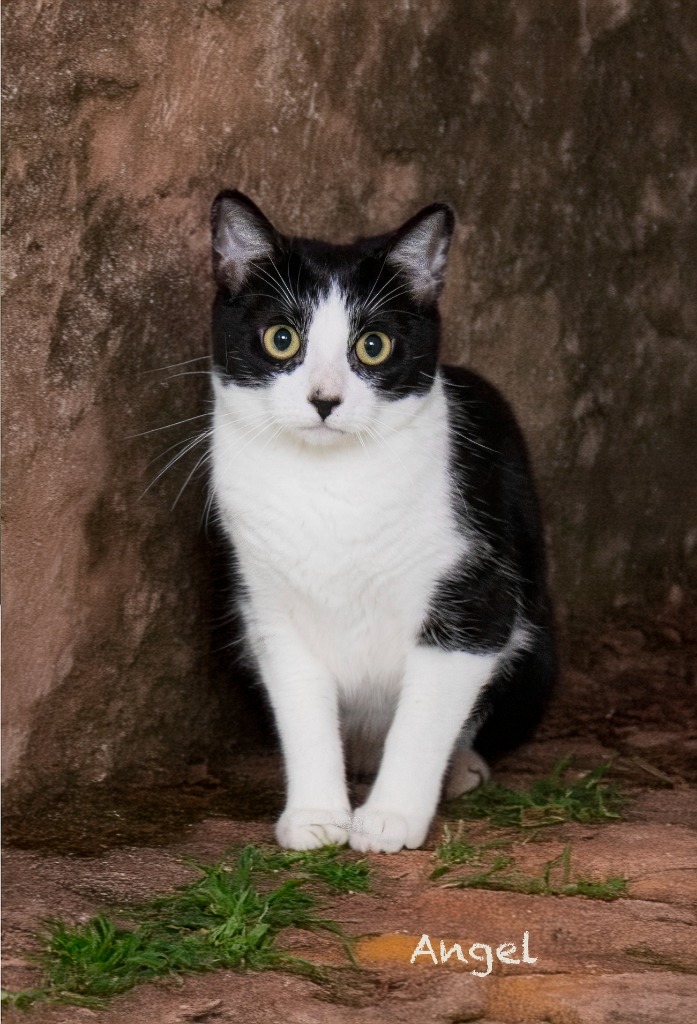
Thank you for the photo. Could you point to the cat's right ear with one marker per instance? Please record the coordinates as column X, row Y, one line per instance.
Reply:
column 241, row 235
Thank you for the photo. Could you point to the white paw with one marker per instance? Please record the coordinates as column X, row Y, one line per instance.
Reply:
column 303, row 828
column 385, row 831
column 467, row 771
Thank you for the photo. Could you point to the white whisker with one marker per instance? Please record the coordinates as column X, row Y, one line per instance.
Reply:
column 204, row 458
column 375, row 433
column 377, row 278
column 187, row 373
column 287, row 290
column 172, row 366
column 168, row 426
column 279, row 295
column 202, row 436
column 279, row 430
column 283, row 292
column 255, row 435
column 379, row 293
column 189, row 447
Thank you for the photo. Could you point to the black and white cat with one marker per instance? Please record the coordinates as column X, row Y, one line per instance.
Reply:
column 388, row 553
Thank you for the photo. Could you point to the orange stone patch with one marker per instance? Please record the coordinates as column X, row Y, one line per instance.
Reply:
column 399, row 948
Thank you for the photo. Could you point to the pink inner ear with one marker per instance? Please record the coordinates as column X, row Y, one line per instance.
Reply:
column 240, row 237
column 422, row 254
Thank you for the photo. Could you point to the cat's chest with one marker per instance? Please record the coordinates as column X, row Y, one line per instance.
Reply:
column 338, row 529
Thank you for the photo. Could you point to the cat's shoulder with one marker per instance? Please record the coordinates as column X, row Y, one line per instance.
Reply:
column 479, row 400
column 487, row 442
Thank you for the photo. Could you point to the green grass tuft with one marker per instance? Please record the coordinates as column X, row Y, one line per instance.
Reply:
column 20, row 1000
column 454, row 851
column 552, row 800
column 327, row 865
column 497, row 871
column 227, row 918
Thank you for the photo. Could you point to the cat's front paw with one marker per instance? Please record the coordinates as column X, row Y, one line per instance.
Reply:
column 302, row 828
column 382, row 831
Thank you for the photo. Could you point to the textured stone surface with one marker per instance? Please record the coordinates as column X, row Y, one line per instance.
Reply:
column 564, row 135
column 631, row 961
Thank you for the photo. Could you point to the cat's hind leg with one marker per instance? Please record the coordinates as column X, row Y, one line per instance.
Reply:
column 518, row 697
column 515, row 700
column 467, row 770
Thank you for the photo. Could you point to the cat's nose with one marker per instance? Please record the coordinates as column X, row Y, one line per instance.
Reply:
column 324, row 406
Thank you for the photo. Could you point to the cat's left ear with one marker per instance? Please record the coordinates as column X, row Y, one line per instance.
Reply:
column 420, row 249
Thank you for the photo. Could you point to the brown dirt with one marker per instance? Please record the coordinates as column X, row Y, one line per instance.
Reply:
column 629, row 693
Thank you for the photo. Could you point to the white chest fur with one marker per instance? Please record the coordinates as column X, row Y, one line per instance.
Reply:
column 343, row 542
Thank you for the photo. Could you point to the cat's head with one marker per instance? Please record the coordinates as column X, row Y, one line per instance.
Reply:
column 327, row 341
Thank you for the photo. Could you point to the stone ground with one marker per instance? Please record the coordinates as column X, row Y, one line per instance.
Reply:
column 629, row 693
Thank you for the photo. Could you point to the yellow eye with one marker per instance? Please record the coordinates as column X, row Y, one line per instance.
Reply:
column 281, row 341
column 373, row 348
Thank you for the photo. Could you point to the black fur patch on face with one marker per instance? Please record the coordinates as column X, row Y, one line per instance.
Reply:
column 381, row 300
column 278, row 290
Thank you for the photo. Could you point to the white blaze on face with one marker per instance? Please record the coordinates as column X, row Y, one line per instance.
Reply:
column 323, row 374
column 328, row 340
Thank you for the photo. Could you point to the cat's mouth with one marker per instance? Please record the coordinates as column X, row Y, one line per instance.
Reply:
column 321, row 433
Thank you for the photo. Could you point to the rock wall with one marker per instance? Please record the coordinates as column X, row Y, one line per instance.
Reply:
column 564, row 135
